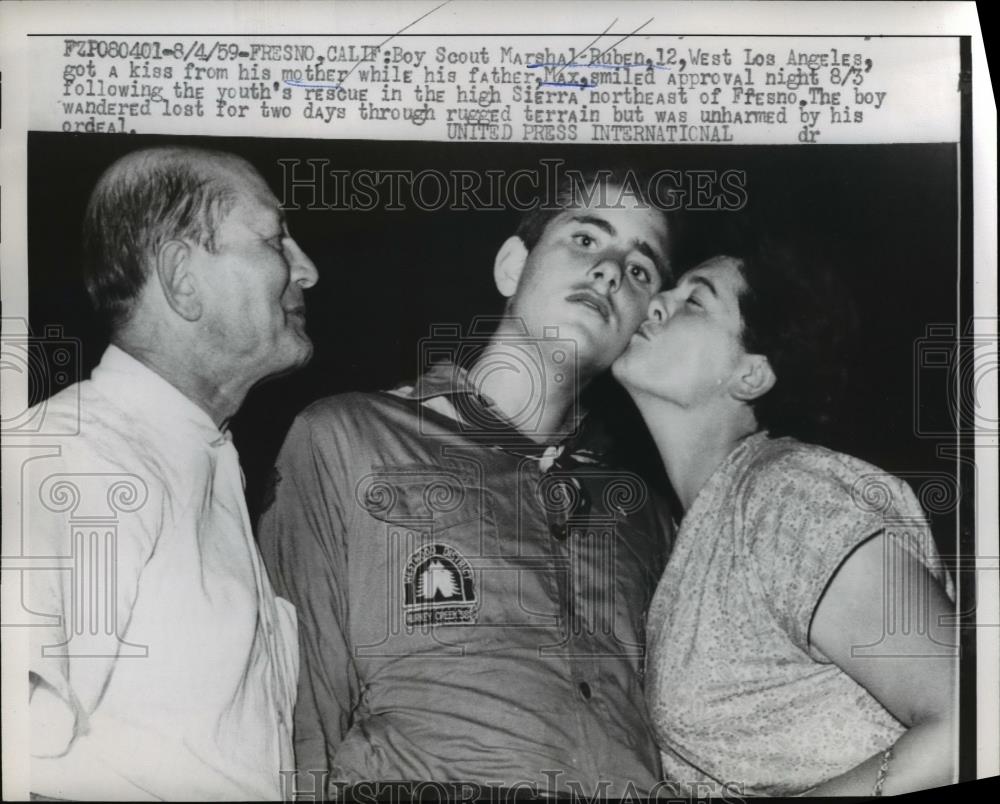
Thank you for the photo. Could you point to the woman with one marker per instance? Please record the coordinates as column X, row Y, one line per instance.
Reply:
column 797, row 640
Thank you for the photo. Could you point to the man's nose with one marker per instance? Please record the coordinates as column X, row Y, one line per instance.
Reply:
column 608, row 274
column 304, row 272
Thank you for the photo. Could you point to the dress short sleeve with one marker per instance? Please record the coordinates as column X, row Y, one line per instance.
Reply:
column 804, row 511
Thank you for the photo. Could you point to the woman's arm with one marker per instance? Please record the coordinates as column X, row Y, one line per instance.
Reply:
column 885, row 622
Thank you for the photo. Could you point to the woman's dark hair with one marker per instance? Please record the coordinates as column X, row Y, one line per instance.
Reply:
column 796, row 312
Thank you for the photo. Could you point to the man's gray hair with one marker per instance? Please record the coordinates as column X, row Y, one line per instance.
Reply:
column 142, row 201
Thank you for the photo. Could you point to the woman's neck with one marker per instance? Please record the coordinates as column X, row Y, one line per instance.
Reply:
column 693, row 443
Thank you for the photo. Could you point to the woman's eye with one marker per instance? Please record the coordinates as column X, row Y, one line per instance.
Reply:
column 694, row 302
column 584, row 240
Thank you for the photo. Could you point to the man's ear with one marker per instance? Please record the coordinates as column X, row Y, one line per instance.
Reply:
column 753, row 378
column 173, row 269
column 509, row 264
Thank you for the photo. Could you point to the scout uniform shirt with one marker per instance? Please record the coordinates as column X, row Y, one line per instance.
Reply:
column 467, row 612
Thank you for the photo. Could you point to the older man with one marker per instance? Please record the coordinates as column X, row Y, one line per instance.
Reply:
column 470, row 569
column 184, row 687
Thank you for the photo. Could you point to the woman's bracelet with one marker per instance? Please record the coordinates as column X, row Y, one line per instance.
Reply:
column 883, row 771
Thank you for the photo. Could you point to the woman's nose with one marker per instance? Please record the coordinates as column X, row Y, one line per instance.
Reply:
column 657, row 310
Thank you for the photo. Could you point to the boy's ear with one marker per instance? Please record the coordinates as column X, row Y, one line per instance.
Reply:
column 753, row 378
column 173, row 270
column 508, row 265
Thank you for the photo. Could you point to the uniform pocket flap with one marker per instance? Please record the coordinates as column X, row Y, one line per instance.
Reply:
column 420, row 496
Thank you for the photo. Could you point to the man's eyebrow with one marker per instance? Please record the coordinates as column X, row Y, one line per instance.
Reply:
column 270, row 217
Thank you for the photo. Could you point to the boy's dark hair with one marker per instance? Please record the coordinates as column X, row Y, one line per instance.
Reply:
column 606, row 187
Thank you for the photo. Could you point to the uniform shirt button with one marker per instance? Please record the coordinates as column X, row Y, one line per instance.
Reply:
column 585, row 690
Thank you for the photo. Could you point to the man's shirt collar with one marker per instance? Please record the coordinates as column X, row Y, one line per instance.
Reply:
column 142, row 393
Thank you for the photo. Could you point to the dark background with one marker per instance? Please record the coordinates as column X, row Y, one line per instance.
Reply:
column 887, row 216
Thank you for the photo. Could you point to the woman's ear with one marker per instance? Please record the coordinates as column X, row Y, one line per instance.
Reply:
column 508, row 265
column 753, row 378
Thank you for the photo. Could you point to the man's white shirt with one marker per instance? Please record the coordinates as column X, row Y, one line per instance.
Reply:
column 169, row 668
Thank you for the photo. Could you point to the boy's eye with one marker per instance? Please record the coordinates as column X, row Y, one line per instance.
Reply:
column 583, row 239
column 641, row 273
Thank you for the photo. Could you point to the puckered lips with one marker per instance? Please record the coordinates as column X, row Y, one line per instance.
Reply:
column 595, row 301
column 645, row 330
column 299, row 311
